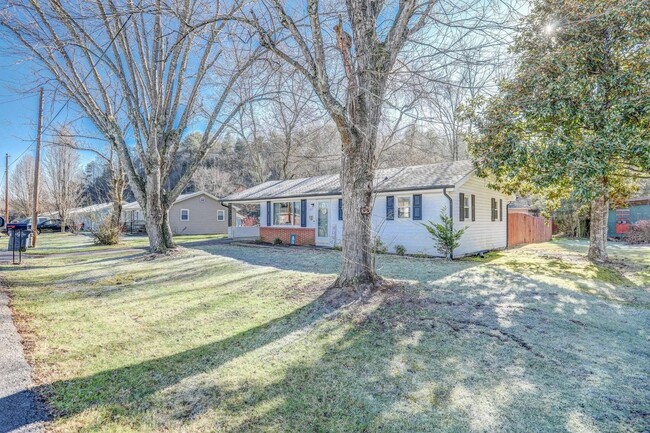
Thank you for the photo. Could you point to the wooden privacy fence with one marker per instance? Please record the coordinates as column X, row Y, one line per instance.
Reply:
column 528, row 229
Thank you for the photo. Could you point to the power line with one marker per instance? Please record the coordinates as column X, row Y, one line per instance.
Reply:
column 82, row 82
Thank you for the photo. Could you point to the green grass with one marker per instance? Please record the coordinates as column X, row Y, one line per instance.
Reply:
column 217, row 339
column 57, row 243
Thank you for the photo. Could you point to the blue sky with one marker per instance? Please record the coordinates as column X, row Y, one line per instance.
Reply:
column 19, row 107
column 18, row 112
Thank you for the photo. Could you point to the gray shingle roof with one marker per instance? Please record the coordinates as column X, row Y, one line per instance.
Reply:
column 417, row 177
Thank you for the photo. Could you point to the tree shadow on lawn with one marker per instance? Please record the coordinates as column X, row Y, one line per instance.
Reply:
column 126, row 390
column 474, row 351
column 493, row 360
column 327, row 261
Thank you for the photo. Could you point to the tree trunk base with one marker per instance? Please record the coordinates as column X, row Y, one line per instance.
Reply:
column 343, row 292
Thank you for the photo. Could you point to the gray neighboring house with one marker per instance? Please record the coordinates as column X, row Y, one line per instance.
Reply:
column 197, row 213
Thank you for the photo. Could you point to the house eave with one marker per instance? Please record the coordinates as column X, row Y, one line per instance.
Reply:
column 337, row 195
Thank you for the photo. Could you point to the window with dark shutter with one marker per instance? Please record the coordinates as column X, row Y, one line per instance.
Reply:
column 340, row 209
column 417, row 206
column 303, row 213
column 493, row 208
column 473, row 207
column 390, row 207
column 268, row 214
column 461, row 207
column 500, row 210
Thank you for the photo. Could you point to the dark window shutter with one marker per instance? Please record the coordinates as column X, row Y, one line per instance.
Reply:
column 473, row 200
column 417, row 206
column 268, row 213
column 390, row 207
column 303, row 213
column 340, row 209
column 461, row 208
column 493, row 205
column 500, row 210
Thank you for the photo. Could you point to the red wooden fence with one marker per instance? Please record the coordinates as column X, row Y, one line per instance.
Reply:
column 527, row 229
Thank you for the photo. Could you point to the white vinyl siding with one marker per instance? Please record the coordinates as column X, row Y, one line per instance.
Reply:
column 483, row 233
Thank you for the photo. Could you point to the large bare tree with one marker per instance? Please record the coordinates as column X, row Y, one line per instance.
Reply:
column 68, row 137
column 62, row 177
column 21, row 186
column 143, row 73
column 371, row 39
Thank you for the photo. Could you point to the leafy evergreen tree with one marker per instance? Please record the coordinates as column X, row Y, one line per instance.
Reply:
column 446, row 238
column 574, row 119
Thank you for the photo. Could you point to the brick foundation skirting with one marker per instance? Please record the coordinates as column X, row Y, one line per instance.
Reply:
column 304, row 235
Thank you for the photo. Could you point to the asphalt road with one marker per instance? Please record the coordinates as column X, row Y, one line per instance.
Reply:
column 20, row 409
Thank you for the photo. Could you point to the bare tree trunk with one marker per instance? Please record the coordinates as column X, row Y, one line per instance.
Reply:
column 598, row 231
column 156, row 218
column 357, row 267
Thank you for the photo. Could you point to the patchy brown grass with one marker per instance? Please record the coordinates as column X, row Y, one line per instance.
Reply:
column 534, row 339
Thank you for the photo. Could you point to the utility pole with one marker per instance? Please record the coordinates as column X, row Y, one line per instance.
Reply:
column 7, row 188
column 37, row 169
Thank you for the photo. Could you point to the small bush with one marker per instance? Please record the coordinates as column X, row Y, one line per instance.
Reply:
column 378, row 247
column 106, row 233
column 639, row 233
column 400, row 250
column 277, row 241
column 446, row 238
column 337, row 248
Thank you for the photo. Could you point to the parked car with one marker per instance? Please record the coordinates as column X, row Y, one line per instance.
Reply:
column 27, row 221
column 52, row 225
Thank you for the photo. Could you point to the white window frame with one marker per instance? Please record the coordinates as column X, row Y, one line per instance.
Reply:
column 467, row 214
column 221, row 215
column 399, row 208
column 188, row 215
column 293, row 214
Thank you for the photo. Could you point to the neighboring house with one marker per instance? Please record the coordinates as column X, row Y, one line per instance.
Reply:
column 85, row 218
column 523, row 205
column 198, row 213
column 622, row 218
column 309, row 211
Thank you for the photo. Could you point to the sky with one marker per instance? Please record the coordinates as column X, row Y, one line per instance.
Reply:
column 19, row 109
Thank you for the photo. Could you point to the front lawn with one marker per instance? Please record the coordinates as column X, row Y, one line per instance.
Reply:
column 238, row 339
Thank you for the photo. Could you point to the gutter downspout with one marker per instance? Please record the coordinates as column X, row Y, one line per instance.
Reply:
column 451, row 202
column 507, row 227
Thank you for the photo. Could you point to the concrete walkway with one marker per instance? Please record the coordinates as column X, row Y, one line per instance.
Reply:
column 20, row 409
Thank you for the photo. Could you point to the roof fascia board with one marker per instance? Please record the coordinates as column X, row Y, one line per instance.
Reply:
column 298, row 197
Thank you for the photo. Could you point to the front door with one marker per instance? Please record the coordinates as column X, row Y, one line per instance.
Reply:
column 323, row 223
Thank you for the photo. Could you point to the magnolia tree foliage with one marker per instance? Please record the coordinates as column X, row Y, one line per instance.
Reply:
column 574, row 118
